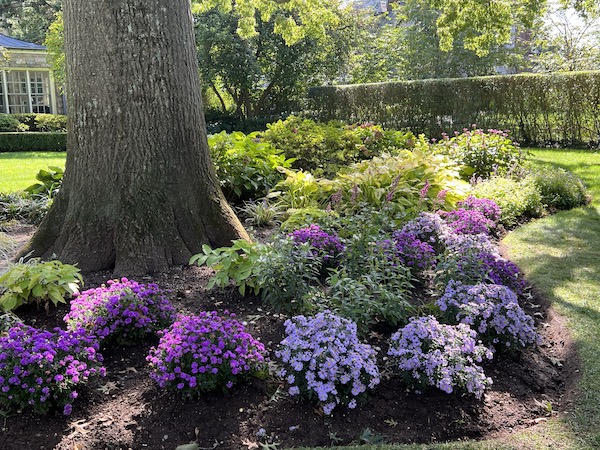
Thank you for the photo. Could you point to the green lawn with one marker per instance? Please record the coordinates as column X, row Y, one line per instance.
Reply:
column 18, row 169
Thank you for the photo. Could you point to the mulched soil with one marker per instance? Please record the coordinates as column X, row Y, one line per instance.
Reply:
column 126, row 410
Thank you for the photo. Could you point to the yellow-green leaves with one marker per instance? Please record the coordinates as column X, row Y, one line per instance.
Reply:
column 38, row 282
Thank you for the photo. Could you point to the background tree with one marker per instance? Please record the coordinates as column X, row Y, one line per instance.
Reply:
column 262, row 74
column 28, row 19
column 567, row 40
column 406, row 46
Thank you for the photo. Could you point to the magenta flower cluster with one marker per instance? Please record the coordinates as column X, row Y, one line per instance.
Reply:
column 492, row 310
column 323, row 358
column 412, row 252
column 447, row 357
column 204, row 353
column 468, row 221
column 326, row 246
column 123, row 311
column 489, row 208
column 41, row 369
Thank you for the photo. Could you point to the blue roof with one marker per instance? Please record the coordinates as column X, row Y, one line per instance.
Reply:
column 12, row 43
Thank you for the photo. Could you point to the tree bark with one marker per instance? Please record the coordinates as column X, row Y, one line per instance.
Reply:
column 140, row 192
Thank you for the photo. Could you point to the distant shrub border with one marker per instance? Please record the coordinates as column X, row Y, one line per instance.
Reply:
column 33, row 141
column 539, row 109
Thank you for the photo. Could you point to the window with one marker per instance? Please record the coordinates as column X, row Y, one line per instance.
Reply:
column 2, row 105
column 40, row 92
column 25, row 91
column 16, row 87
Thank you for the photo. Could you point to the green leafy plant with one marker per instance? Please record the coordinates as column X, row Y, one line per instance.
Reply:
column 485, row 153
column 8, row 123
column 49, row 182
column 246, row 167
column 23, row 207
column 236, row 263
column 262, row 213
column 38, row 282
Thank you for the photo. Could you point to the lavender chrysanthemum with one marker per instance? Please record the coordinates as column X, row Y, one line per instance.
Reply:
column 428, row 353
column 323, row 357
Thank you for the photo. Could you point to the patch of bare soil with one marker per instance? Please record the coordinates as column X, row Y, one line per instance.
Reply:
column 127, row 410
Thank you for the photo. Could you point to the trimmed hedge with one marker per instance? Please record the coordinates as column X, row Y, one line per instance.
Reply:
column 33, row 141
column 539, row 109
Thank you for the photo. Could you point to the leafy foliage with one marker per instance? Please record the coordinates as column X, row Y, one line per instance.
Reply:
column 516, row 198
column 23, row 207
column 560, row 189
column 245, row 167
column 49, row 182
column 237, row 263
column 485, row 153
column 38, row 282
column 325, row 148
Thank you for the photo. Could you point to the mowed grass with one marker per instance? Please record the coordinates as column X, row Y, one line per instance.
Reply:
column 560, row 255
column 18, row 169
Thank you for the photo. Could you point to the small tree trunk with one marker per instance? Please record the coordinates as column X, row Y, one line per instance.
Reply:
column 140, row 193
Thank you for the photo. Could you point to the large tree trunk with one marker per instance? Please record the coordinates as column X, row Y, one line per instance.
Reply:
column 140, row 193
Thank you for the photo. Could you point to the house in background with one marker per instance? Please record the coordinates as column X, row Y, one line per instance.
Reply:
column 26, row 84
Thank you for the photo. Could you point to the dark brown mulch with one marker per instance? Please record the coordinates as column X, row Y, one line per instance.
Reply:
column 126, row 410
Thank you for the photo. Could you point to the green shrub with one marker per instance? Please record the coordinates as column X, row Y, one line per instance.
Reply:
column 245, row 167
column 8, row 123
column 23, row 207
column 33, row 141
column 7, row 245
column 560, row 189
column 38, row 282
column 539, row 109
column 517, row 199
column 42, row 122
column 325, row 148
column 483, row 153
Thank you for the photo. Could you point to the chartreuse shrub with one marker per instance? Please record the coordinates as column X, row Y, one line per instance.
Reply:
column 203, row 353
column 324, row 360
column 492, row 310
column 246, row 168
column 325, row 148
column 122, row 311
column 427, row 353
column 38, row 282
column 408, row 181
column 41, row 369
column 517, row 199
